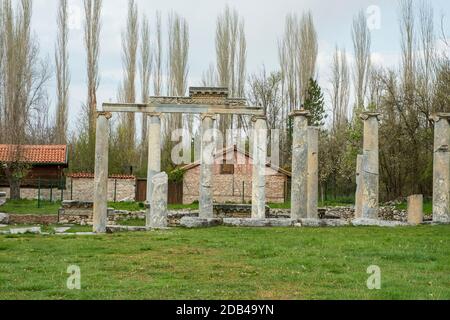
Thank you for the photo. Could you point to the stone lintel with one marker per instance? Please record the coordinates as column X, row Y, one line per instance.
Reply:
column 300, row 113
column 367, row 115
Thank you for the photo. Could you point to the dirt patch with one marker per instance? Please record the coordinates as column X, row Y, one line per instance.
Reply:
column 32, row 219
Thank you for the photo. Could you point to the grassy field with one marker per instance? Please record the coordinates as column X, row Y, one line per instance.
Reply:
column 30, row 207
column 230, row 263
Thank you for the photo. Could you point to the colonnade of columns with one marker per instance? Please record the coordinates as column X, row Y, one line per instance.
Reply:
column 305, row 164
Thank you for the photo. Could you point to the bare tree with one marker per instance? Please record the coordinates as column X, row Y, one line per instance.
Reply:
column 306, row 54
column 157, row 76
column 340, row 93
column 231, row 54
column 62, row 74
column 428, row 61
column 178, row 53
column 407, row 30
column 23, row 78
column 361, row 46
column 145, row 72
column 2, row 34
column 92, row 28
column 209, row 77
column 130, row 39
column 265, row 91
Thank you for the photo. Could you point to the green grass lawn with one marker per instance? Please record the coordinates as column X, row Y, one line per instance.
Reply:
column 30, row 207
column 230, row 263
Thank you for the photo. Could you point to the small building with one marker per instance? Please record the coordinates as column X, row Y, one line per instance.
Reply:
column 232, row 179
column 46, row 167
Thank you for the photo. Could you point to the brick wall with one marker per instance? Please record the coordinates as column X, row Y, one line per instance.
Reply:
column 229, row 188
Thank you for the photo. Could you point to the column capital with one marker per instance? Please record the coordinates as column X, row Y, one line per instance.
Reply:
column 370, row 114
column 436, row 117
column 300, row 113
column 208, row 115
column 107, row 115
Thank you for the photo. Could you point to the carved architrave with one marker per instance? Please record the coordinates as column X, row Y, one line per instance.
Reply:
column 198, row 101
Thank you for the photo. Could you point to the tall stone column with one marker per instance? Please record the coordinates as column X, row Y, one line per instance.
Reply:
column 299, row 192
column 100, row 217
column 370, row 166
column 359, row 187
column 441, row 168
column 158, row 206
column 206, row 167
column 259, row 168
column 154, row 156
column 313, row 173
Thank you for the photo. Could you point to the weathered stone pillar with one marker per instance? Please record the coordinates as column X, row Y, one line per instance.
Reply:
column 313, row 173
column 206, row 167
column 359, row 187
column 441, row 168
column 299, row 193
column 370, row 166
column 100, row 216
column 259, row 167
column 154, row 154
column 158, row 206
column 415, row 209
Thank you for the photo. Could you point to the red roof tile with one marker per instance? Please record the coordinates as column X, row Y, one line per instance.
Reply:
column 36, row 154
column 91, row 176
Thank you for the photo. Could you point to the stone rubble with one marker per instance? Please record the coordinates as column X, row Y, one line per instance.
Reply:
column 4, row 218
column 33, row 230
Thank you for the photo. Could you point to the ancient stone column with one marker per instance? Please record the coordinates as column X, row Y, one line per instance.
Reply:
column 100, row 216
column 359, row 187
column 259, row 168
column 158, row 206
column 299, row 192
column 154, row 151
column 415, row 209
column 441, row 168
column 206, row 167
column 313, row 173
column 370, row 166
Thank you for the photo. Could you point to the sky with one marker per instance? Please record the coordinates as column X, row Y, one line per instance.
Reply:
column 264, row 26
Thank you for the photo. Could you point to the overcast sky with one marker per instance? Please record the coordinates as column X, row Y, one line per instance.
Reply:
column 264, row 23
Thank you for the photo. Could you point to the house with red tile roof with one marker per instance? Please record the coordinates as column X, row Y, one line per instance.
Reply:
column 46, row 163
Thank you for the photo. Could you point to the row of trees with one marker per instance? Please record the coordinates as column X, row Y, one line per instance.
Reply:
column 157, row 59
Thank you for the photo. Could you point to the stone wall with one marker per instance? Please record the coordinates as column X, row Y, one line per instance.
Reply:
column 81, row 189
column 389, row 213
column 228, row 188
column 32, row 194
